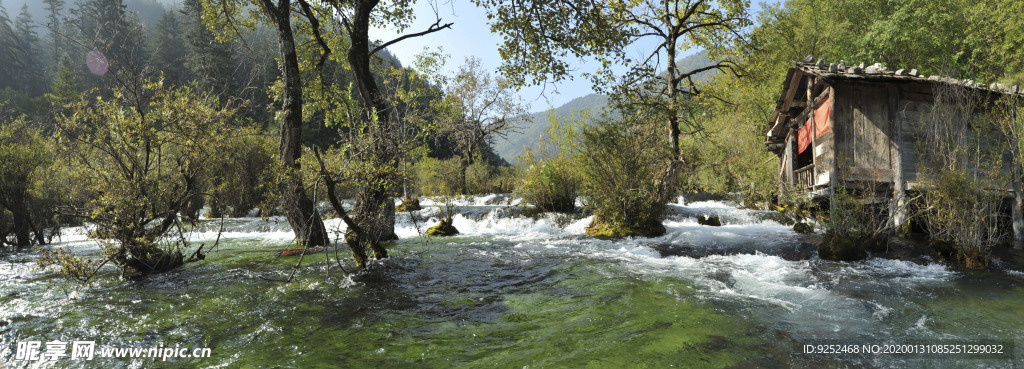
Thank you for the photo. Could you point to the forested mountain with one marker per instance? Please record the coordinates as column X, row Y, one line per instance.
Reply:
column 534, row 129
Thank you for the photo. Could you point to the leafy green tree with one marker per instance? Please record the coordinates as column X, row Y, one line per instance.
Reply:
column 242, row 174
column 30, row 78
column 23, row 155
column 476, row 110
column 349, row 42
column 170, row 51
column 542, row 36
column 139, row 164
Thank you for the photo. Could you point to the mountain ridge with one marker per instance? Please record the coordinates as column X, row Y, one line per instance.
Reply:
column 537, row 123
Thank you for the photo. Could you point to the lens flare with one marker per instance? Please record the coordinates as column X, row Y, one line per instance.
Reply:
column 97, row 62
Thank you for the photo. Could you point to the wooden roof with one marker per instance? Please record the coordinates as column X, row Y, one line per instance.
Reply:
column 791, row 102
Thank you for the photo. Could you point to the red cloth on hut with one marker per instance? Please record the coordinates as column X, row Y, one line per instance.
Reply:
column 820, row 126
column 803, row 137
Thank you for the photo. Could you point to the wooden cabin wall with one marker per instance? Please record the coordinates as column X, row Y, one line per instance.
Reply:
column 916, row 102
column 915, row 105
column 862, row 132
column 824, row 152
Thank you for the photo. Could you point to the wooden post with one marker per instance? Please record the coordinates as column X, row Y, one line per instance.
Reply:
column 814, row 130
column 898, row 204
column 833, row 176
column 789, row 156
column 1017, row 212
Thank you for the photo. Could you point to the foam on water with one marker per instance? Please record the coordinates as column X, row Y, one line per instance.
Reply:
column 736, row 269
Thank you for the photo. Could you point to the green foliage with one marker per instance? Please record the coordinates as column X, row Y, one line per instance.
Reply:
column 242, row 173
column 964, row 164
column 483, row 178
column 551, row 178
column 960, row 211
column 436, row 177
column 857, row 223
column 140, row 161
column 617, row 164
column 25, row 157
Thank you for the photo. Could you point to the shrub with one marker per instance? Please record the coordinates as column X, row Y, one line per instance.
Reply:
column 550, row 179
column 25, row 158
column 436, row 177
column 243, row 172
column 620, row 167
column 858, row 222
column 959, row 211
column 139, row 159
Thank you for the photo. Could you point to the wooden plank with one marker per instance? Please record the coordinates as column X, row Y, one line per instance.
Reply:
column 810, row 113
column 792, row 86
column 898, row 207
column 789, row 157
column 833, row 175
column 870, row 138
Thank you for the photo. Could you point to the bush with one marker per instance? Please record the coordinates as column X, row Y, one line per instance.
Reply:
column 959, row 211
column 25, row 160
column 550, row 179
column 138, row 159
column 857, row 223
column 243, row 173
column 620, row 167
column 482, row 177
column 436, row 177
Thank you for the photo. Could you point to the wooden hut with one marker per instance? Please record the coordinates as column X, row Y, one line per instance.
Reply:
column 858, row 124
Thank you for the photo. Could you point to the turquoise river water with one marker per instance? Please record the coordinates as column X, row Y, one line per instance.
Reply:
column 521, row 292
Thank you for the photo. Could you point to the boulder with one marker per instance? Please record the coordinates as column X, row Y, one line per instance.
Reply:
column 603, row 230
column 712, row 221
column 410, row 204
column 801, row 227
column 443, row 229
column 841, row 249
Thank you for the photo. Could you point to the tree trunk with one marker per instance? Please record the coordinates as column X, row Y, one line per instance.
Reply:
column 296, row 205
column 1017, row 213
column 377, row 211
column 22, row 224
column 466, row 162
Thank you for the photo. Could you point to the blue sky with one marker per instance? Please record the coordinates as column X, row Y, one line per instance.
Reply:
column 470, row 36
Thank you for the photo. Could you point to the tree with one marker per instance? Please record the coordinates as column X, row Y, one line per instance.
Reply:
column 208, row 60
column 23, row 153
column 169, row 54
column 10, row 62
column 540, row 37
column 54, row 10
column 476, row 110
column 31, row 77
column 116, row 39
column 139, row 162
column 376, row 211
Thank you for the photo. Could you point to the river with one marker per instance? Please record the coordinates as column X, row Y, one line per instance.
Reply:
column 520, row 291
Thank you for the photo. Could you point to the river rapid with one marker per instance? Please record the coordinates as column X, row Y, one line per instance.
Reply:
column 517, row 291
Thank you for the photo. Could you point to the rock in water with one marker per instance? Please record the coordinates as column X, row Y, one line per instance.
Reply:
column 801, row 227
column 712, row 221
column 444, row 228
column 841, row 249
column 409, row 204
